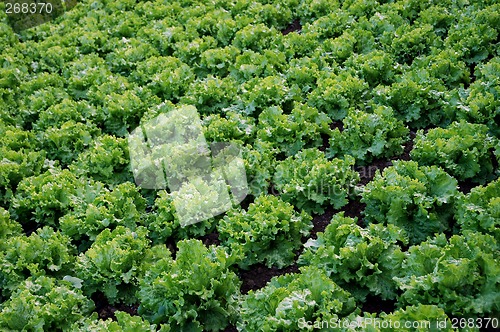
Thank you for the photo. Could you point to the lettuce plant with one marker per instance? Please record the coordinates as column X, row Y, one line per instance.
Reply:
column 330, row 25
column 290, row 133
column 479, row 211
column 419, row 199
column 126, row 54
column 124, row 323
column 106, row 160
column 369, row 135
column 83, row 73
column 459, row 275
column 123, row 206
column 45, row 252
column 413, row 40
column 189, row 51
column 463, row 149
column 122, row 111
column 257, row 94
column 445, row 66
column 16, row 166
column 167, row 77
column 290, row 300
column 311, row 182
column 419, row 312
column 212, row 95
column 473, row 36
column 47, row 197
column 163, row 221
column 480, row 103
column 38, row 95
column 303, row 72
column 66, row 142
column 232, row 127
column 361, row 260
column 218, row 61
column 66, row 110
column 44, row 304
column 255, row 37
column 336, row 94
column 375, row 67
column 112, row 264
column 251, row 64
column 260, row 162
column 8, row 228
column 20, row 159
column 269, row 231
column 99, row 94
column 278, row 14
column 194, row 292
column 417, row 98
column 420, row 318
column 16, row 139
column 310, row 10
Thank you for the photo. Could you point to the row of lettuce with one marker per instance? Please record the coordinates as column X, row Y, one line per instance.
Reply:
column 465, row 150
column 38, row 192
column 307, row 108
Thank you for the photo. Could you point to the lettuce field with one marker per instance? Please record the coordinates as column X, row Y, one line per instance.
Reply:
column 363, row 192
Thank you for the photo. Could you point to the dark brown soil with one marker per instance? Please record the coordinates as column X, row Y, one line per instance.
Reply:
column 408, row 146
column 337, row 125
column 375, row 304
column 259, row 275
column 367, row 172
column 494, row 160
column 294, row 26
column 466, row 186
column 30, row 227
column 320, row 222
column 211, row 239
column 325, row 142
column 354, row 209
column 172, row 246
column 106, row 310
